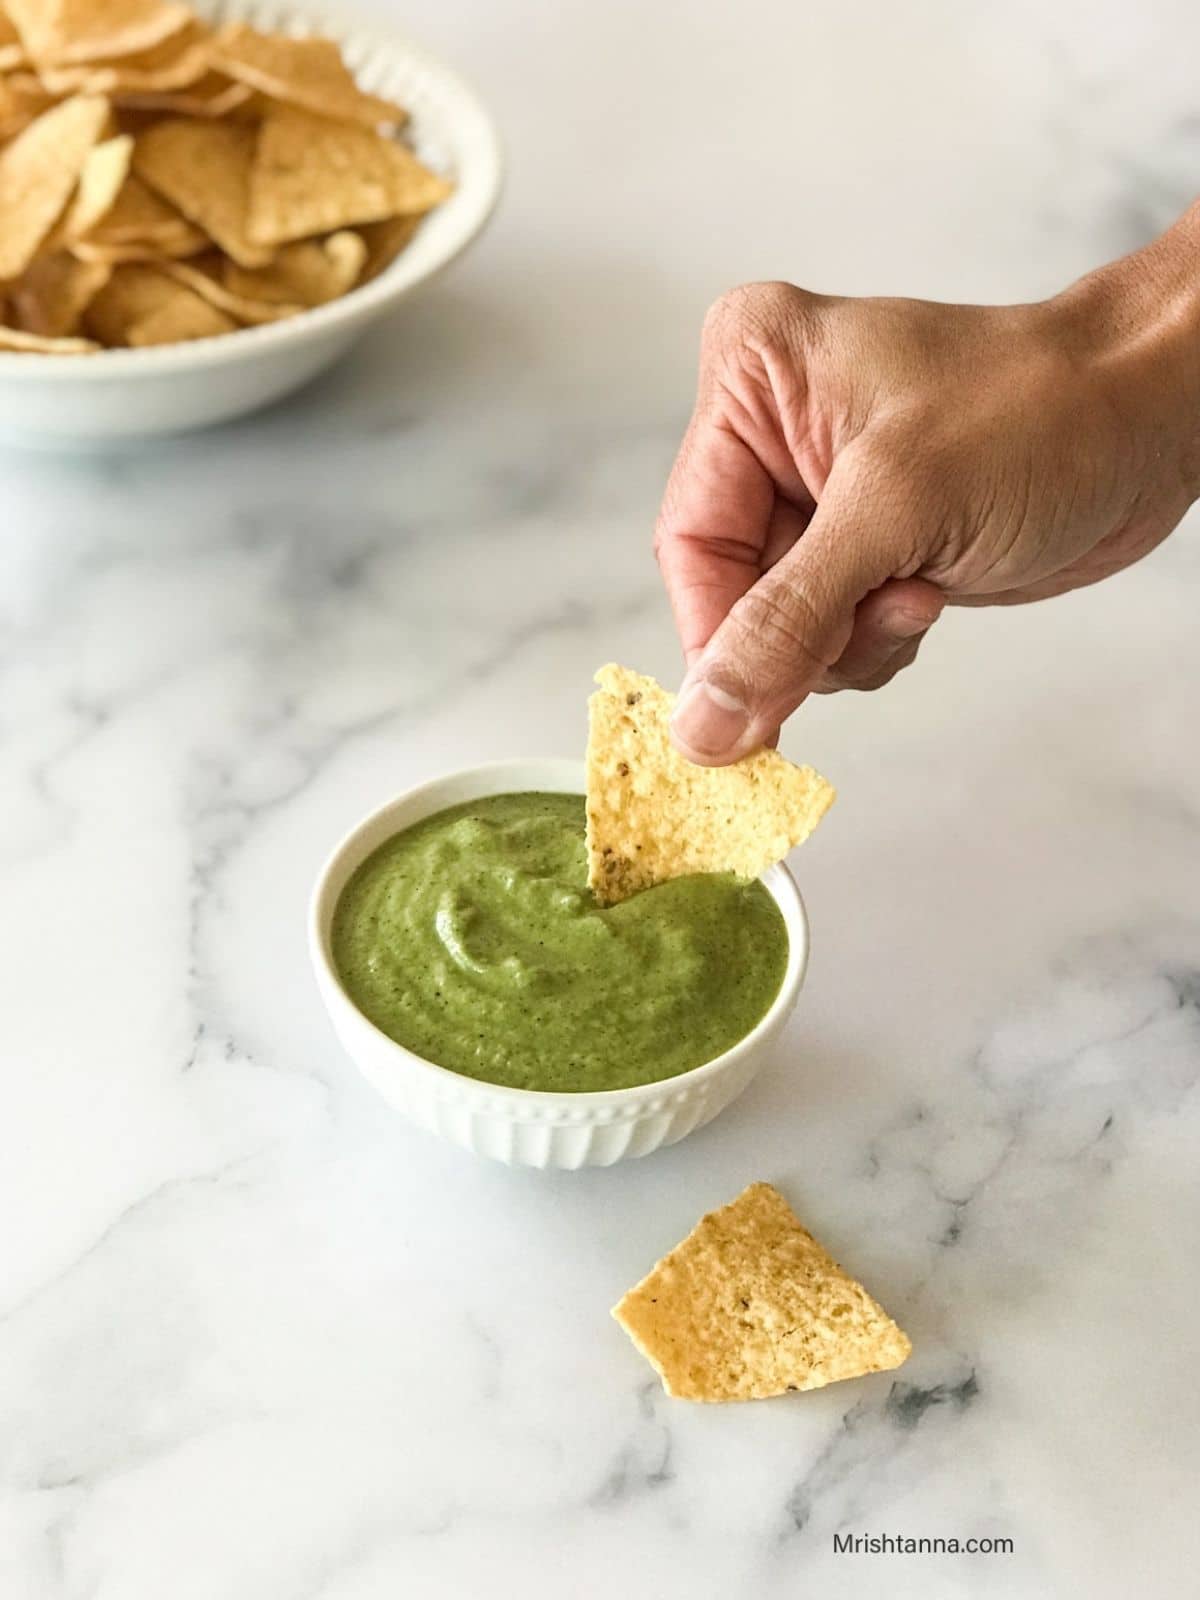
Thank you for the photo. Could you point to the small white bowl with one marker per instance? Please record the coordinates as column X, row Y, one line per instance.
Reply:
column 89, row 401
column 528, row 1127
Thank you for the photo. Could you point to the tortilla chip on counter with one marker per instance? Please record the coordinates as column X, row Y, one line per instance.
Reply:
column 750, row 1305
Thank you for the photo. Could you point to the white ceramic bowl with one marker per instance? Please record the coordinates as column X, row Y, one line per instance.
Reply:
column 125, row 395
column 527, row 1127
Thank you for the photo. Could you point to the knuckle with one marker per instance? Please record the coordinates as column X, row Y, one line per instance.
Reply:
column 758, row 314
column 905, row 474
column 895, row 451
column 918, row 447
column 729, row 310
column 778, row 626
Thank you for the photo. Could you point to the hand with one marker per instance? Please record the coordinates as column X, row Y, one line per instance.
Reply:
column 853, row 465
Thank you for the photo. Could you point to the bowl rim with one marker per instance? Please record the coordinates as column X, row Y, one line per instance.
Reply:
column 777, row 880
column 358, row 304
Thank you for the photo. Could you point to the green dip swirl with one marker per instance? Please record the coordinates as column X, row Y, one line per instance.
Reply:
column 473, row 940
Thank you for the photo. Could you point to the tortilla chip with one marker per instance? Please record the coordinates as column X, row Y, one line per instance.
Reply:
column 306, row 274
column 131, row 294
column 13, row 339
column 139, row 226
column 27, row 82
column 22, row 98
column 212, row 96
column 136, row 215
column 38, row 171
column 141, row 305
column 750, row 1305
column 175, row 247
column 384, row 242
column 652, row 815
column 101, row 180
column 177, row 321
column 203, row 168
column 309, row 73
column 313, row 176
column 203, row 280
column 174, row 63
column 55, row 292
column 12, row 51
column 58, row 32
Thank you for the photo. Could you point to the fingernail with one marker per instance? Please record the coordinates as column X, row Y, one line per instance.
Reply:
column 708, row 720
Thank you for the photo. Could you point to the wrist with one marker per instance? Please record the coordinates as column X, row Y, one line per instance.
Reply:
column 1134, row 328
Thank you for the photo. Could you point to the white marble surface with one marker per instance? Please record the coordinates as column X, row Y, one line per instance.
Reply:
column 261, row 1341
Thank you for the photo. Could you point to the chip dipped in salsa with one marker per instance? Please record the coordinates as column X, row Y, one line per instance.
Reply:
column 473, row 940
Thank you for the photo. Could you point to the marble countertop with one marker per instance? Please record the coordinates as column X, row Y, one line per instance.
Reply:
column 261, row 1340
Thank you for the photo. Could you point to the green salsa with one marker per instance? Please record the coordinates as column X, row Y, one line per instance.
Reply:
column 473, row 940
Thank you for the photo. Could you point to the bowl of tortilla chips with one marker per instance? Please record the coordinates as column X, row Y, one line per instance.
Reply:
column 204, row 202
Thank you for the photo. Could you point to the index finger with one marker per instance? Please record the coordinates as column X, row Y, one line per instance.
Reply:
column 713, row 529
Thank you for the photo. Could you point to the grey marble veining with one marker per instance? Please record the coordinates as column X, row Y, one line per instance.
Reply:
column 261, row 1341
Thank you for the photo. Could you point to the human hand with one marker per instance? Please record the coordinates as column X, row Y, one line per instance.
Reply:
column 853, row 465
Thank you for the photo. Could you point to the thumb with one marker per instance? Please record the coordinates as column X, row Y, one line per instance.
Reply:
column 780, row 637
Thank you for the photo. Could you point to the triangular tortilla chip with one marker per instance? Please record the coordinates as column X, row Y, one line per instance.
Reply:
column 139, row 216
column 55, row 291
column 140, row 305
column 140, row 226
column 309, row 73
column 56, row 32
column 188, row 241
column 176, row 321
column 203, row 168
column 309, row 273
column 172, row 64
column 652, row 815
column 312, row 176
column 750, row 1305
column 203, row 278
column 38, row 171
column 213, row 96
column 131, row 294
column 100, row 182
